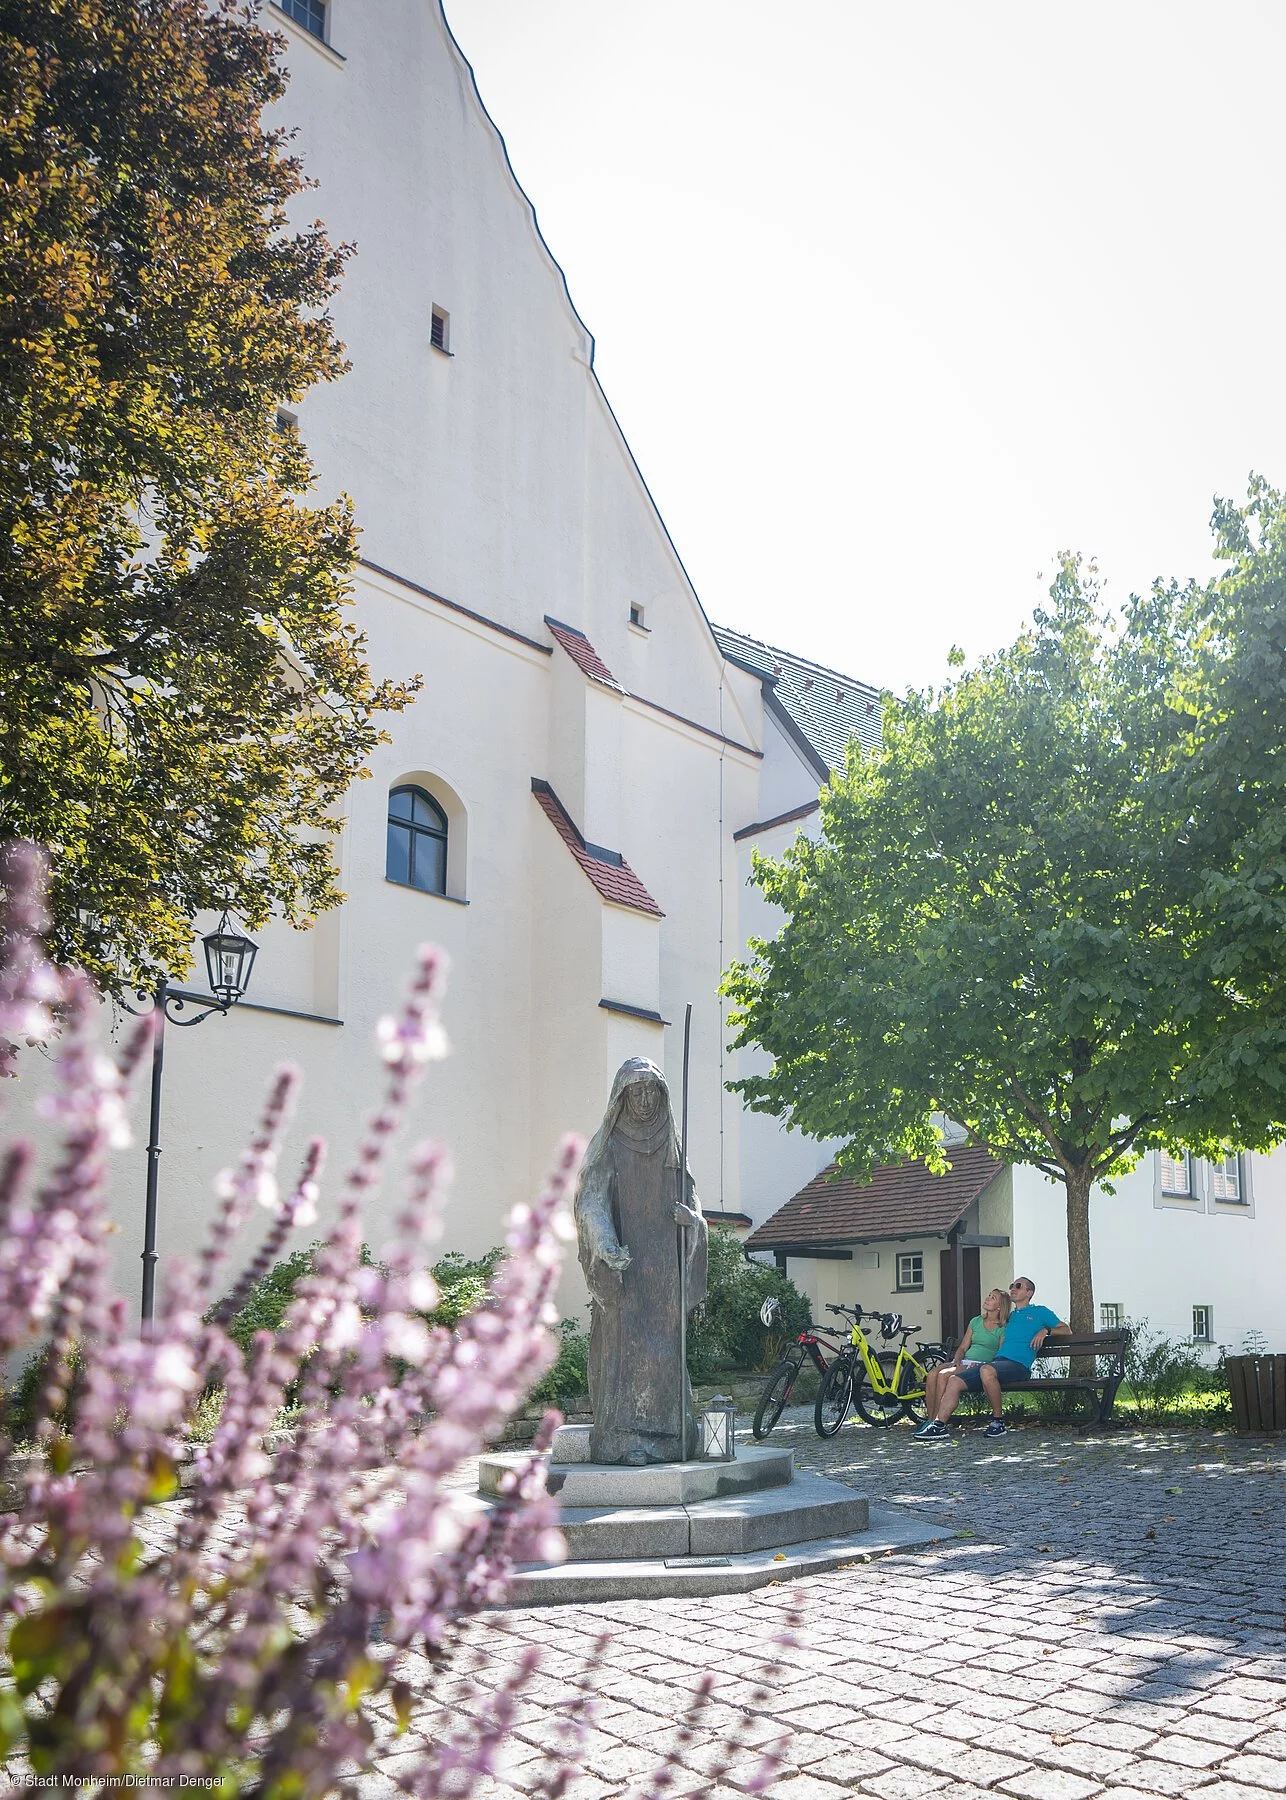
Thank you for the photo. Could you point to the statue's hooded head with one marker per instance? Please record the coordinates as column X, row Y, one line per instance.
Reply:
column 639, row 1096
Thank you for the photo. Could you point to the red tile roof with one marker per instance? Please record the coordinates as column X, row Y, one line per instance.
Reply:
column 900, row 1200
column 583, row 653
column 607, row 869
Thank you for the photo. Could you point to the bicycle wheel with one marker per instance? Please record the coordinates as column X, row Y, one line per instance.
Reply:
column 910, row 1386
column 875, row 1408
column 774, row 1397
column 834, row 1398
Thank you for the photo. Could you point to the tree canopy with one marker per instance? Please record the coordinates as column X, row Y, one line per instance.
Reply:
column 183, row 699
column 1044, row 906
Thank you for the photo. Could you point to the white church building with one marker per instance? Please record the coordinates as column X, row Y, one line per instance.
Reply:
column 570, row 804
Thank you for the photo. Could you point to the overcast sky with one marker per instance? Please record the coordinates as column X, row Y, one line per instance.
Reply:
column 894, row 301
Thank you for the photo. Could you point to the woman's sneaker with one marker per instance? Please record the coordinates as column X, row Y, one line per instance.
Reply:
column 994, row 1428
column 930, row 1430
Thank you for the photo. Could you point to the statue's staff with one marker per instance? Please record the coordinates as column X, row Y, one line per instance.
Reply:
column 683, row 1217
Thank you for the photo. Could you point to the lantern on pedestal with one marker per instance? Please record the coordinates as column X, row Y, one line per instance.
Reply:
column 718, row 1436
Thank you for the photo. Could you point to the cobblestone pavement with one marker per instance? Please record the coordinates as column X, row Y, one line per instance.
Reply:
column 1111, row 1620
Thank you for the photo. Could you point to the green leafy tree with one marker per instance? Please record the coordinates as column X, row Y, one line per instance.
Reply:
column 1013, row 915
column 182, row 697
column 1234, row 783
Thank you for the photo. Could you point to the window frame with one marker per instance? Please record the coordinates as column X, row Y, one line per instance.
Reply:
column 1116, row 1310
column 307, row 8
column 415, row 830
column 913, row 1286
column 1208, row 1318
column 1218, row 1173
column 440, row 315
column 1190, row 1168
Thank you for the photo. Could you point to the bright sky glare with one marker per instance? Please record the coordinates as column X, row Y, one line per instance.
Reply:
column 895, row 301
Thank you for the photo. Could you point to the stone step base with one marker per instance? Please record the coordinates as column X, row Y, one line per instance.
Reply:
column 663, row 1578
column 811, row 1507
column 655, row 1484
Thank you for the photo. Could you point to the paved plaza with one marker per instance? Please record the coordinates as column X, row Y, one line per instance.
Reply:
column 1110, row 1618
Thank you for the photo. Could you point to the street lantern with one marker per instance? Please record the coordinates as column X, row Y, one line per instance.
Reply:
column 229, row 958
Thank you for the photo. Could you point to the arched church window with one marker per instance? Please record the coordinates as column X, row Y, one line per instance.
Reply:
column 416, row 852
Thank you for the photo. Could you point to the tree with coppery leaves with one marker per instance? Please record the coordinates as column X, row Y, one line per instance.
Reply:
column 183, row 698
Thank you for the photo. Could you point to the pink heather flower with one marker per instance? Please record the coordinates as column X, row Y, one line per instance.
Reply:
column 280, row 1579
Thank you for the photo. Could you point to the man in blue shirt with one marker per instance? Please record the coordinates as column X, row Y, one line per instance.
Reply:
column 1026, row 1331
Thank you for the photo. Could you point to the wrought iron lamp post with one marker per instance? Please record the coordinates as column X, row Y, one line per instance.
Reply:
column 229, row 958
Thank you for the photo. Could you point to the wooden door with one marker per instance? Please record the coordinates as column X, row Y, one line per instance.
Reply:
column 953, row 1323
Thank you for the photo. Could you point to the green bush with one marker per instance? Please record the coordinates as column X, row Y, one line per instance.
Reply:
column 1161, row 1372
column 725, row 1332
column 569, row 1377
column 265, row 1305
column 21, row 1397
column 462, row 1284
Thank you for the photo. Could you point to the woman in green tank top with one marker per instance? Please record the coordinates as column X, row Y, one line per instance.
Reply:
column 978, row 1345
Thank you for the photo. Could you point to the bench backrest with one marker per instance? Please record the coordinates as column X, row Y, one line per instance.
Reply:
column 1093, row 1343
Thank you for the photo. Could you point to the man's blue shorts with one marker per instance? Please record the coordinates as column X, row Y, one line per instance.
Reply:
column 1006, row 1369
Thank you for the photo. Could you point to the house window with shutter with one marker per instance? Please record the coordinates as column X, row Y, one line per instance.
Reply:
column 1203, row 1324
column 1227, row 1181
column 440, row 330
column 1111, row 1315
column 1176, row 1176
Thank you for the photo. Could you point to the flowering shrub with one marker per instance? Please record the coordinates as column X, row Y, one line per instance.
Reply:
column 257, row 1629
column 286, row 1593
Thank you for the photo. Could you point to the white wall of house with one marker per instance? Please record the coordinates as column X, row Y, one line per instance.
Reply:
column 777, row 1163
column 1158, row 1257
column 871, row 1279
column 489, row 479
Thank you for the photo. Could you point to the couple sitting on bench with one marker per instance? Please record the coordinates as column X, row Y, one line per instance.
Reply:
column 996, row 1352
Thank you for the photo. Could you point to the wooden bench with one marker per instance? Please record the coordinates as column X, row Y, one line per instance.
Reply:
column 1107, row 1347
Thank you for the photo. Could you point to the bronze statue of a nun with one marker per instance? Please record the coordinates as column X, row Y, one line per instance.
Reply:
column 628, row 1215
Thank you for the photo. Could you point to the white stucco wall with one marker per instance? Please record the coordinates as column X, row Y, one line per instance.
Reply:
column 1159, row 1260
column 496, row 479
column 777, row 1163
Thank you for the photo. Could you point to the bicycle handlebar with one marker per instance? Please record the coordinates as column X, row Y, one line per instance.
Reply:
column 886, row 1321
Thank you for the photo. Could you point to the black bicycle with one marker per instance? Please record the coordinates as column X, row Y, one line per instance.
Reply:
column 808, row 1347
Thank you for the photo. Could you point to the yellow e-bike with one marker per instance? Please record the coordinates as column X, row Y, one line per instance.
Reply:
column 880, row 1386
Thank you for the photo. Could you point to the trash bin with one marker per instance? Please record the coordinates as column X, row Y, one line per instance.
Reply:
column 1258, row 1388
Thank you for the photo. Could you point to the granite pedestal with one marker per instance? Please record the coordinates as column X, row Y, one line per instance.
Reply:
column 695, row 1527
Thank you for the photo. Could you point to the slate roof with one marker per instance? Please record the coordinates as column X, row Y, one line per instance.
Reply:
column 901, row 1200
column 607, row 869
column 582, row 653
column 825, row 707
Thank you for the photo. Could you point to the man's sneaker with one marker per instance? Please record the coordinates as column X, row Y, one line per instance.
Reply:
column 930, row 1430
column 994, row 1428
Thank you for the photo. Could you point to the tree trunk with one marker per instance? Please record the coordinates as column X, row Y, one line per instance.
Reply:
column 1080, row 1276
